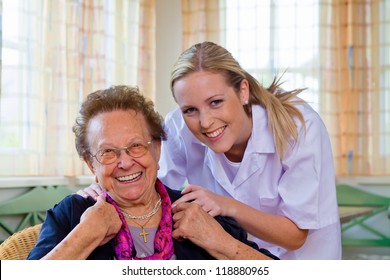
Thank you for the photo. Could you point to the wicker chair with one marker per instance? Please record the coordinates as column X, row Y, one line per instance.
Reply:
column 19, row 245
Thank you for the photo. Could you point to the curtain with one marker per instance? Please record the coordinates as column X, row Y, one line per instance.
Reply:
column 201, row 22
column 56, row 53
column 355, row 84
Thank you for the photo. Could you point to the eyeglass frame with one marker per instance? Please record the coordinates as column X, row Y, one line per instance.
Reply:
column 118, row 151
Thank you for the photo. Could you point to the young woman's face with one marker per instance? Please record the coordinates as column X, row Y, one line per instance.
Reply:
column 128, row 180
column 214, row 112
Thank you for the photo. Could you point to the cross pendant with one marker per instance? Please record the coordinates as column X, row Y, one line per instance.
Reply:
column 143, row 233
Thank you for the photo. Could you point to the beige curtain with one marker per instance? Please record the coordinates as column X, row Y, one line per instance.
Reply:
column 355, row 86
column 63, row 51
column 201, row 21
column 147, row 48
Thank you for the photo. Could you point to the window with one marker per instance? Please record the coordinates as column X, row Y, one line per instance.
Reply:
column 271, row 37
column 14, row 53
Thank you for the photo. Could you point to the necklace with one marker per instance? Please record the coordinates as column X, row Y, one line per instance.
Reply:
column 143, row 232
column 162, row 243
column 144, row 217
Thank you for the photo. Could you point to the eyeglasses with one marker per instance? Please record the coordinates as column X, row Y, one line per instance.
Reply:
column 110, row 155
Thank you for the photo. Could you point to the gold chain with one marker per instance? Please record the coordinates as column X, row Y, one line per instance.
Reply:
column 146, row 216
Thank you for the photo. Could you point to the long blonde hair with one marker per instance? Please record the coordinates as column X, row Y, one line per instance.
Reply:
column 279, row 104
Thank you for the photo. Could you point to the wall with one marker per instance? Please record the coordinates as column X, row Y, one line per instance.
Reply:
column 168, row 48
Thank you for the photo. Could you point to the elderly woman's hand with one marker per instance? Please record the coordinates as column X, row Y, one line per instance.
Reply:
column 193, row 223
column 102, row 220
column 98, row 225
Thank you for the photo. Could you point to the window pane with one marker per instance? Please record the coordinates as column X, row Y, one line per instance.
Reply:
column 270, row 38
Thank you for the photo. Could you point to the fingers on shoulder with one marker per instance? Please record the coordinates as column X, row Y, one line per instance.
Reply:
column 191, row 188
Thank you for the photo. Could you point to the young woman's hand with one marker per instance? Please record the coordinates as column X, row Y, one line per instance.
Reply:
column 212, row 203
column 93, row 190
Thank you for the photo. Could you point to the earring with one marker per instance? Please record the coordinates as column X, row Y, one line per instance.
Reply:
column 246, row 102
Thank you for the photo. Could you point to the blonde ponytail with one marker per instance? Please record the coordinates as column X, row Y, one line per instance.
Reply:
column 281, row 111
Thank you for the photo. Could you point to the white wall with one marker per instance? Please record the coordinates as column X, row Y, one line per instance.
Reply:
column 168, row 49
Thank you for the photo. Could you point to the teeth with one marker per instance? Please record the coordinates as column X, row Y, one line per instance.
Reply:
column 215, row 133
column 129, row 177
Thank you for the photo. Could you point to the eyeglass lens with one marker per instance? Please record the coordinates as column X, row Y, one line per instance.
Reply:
column 110, row 155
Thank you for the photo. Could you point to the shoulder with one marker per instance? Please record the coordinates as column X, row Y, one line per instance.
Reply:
column 313, row 123
column 174, row 119
column 174, row 125
column 230, row 225
column 173, row 194
column 71, row 207
column 75, row 200
column 308, row 112
column 313, row 127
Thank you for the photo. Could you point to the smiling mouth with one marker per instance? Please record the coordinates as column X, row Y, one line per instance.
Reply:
column 215, row 133
column 129, row 178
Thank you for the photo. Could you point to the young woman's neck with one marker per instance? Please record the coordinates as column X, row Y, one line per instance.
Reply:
column 237, row 151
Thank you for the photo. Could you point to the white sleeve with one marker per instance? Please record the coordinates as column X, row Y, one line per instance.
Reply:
column 172, row 162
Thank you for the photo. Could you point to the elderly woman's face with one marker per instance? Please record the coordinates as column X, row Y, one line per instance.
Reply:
column 127, row 178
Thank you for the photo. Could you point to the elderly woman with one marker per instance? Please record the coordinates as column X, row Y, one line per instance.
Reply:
column 118, row 134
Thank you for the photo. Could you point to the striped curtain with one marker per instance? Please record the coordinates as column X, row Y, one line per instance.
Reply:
column 201, row 21
column 355, row 88
column 55, row 54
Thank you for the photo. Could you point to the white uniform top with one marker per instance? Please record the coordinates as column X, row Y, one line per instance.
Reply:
column 300, row 187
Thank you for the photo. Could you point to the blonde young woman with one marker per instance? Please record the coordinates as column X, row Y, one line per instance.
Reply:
column 259, row 155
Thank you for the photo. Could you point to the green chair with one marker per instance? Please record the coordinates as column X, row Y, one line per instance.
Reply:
column 30, row 208
column 352, row 196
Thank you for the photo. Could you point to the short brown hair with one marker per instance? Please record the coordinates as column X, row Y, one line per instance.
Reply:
column 111, row 99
